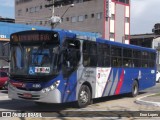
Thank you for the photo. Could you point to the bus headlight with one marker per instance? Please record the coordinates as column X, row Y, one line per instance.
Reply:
column 52, row 87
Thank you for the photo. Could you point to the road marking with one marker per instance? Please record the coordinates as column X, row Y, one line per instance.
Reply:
column 140, row 101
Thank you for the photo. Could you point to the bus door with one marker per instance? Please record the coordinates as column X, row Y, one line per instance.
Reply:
column 70, row 63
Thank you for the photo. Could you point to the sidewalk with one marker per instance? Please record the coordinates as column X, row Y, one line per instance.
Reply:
column 152, row 99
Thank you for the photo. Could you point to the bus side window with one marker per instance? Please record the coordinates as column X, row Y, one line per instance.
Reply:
column 127, row 57
column 86, row 57
column 89, row 54
column 136, row 58
column 103, row 55
column 116, row 56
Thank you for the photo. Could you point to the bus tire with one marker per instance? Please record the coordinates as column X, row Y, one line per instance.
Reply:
column 135, row 91
column 84, row 96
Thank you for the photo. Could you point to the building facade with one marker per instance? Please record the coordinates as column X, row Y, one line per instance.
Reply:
column 110, row 18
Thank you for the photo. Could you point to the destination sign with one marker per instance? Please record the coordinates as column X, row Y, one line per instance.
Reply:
column 34, row 37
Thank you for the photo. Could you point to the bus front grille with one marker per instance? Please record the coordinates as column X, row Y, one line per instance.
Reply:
column 33, row 97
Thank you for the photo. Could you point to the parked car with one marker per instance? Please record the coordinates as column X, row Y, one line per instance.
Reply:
column 158, row 77
column 3, row 80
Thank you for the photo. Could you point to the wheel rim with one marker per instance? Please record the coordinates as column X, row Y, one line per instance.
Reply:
column 83, row 97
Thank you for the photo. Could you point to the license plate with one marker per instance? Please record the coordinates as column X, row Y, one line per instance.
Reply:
column 27, row 95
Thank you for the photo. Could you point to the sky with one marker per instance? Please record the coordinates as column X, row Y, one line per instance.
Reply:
column 7, row 8
column 144, row 14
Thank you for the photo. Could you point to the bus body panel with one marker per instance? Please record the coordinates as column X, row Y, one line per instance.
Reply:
column 103, row 81
column 66, row 91
column 86, row 75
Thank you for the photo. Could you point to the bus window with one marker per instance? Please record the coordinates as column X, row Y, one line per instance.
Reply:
column 145, row 59
column 145, row 63
column 103, row 55
column 116, row 56
column 136, row 58
column 152, row 58
column 127, row 58
column 17, row 59
column 89, row 54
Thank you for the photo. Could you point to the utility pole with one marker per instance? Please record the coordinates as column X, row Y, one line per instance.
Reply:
column 53, row 17
column 55, row 20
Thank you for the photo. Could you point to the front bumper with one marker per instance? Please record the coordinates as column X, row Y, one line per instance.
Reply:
column 53, row 96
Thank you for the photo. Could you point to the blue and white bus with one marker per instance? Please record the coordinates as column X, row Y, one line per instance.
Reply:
column 61, row 66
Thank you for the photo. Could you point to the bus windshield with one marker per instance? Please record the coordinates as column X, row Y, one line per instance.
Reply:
column 34, row 60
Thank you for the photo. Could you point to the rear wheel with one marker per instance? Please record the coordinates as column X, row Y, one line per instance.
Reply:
column 84, row 96
column 134, row 92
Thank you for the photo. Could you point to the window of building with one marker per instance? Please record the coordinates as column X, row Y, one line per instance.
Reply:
column 62, row 19
column 32, row 9
column 67, row 18
column 41, row 23
column 74, row 19
column 127, row 1
column 126, row 37
column 19, row 12
column 80, row 18
column 46, row 22
column 92, row 15
column 112, row 35
column 86, row 16
column 37, row 8
column 99, row 15
column 26, row 9
column 80, row 1
column 22, row 1
column 122, row 1
column 127, row 19
column 113, row 17
column 41, row 7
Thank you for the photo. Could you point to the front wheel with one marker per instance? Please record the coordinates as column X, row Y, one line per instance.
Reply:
column 84, row 96
column 134, row 92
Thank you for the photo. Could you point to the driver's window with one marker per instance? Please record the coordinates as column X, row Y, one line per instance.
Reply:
column 17, row 57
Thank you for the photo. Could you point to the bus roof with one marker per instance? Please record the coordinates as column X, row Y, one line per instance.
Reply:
column 73, row 34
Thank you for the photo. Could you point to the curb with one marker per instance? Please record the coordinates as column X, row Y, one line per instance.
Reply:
column 140, row 101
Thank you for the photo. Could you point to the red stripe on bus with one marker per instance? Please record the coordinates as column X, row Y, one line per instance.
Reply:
column 120, row 83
